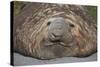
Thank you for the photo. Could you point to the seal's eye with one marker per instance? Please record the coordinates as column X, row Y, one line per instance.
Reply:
column 72, row 25
column 49, row 23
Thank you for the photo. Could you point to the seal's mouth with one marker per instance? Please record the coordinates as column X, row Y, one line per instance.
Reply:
column 59, row 42
column 55, row 42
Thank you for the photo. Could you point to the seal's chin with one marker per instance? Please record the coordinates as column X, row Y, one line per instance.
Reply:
column 53, row 49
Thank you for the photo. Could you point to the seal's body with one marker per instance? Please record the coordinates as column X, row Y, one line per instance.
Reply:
column 53, row 30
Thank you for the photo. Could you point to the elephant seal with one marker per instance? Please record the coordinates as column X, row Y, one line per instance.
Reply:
column 47, row 31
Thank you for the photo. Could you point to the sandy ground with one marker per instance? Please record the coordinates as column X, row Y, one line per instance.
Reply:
column 20, row 60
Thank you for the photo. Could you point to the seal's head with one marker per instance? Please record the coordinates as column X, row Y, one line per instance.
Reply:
column 59, row 31
column 57, row 39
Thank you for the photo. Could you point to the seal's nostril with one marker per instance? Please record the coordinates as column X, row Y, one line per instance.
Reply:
column 53, row 34
column 56, row 35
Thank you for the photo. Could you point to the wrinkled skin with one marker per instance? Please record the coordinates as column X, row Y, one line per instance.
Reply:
column 59, row 37
column 54, row 32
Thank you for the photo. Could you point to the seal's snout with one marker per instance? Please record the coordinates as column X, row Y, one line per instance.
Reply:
column 56, row 28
